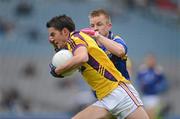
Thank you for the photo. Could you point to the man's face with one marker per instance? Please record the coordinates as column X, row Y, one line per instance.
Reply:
column 100, row 23
column 150, row 61
column 57, row 38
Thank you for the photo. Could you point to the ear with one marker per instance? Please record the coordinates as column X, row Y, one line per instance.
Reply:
column 65, row 31
column 109, row 26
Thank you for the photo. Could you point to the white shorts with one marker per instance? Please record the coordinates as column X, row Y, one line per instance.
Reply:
column 121, row 102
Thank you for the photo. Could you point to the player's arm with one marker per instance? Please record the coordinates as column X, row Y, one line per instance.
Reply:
column 80, row 56
column 114, row 47
column 111, row 45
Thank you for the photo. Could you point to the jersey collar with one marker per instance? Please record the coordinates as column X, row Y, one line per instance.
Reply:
column 110, row 35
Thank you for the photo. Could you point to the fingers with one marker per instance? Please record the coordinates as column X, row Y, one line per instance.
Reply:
column 88, row 31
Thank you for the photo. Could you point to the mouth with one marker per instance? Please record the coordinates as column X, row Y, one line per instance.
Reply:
column 54, row 43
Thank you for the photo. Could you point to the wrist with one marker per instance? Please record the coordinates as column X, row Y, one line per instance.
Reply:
column 55, row 74
column 97, row 35
column 56, row 71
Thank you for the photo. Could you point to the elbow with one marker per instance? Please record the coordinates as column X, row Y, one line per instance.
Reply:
column 84, row 59
column 120, row 53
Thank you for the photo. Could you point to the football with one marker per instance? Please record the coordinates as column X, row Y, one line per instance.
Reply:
column 60, row 58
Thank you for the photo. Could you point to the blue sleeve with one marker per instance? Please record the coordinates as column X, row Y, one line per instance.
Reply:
column 121, row 41
column 162, row 84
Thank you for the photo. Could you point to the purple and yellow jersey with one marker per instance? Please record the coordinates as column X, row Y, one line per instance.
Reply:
column 99, row 72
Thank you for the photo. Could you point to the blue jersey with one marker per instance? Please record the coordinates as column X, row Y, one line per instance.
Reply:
column 151, row 81
column 120, row 63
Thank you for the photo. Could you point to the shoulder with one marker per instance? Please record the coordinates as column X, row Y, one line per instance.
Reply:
column 118, row 38
column 77, row 38
column 77, row 35
column 115, row 37
column 159, row 69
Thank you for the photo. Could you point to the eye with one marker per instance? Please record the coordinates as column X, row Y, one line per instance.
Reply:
column 99, row 24
column 92, row 25
column 52, row 34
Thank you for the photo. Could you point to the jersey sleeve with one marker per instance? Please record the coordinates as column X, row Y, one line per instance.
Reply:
column 121, row 41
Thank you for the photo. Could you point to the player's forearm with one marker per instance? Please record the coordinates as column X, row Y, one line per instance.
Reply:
column 112, row 46
column 74, row 63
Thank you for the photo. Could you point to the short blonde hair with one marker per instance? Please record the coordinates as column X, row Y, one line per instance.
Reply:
column 99, row 12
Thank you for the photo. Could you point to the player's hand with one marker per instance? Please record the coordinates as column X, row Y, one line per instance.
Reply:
column 56, row 49
column 53, row 73
column 90, row 32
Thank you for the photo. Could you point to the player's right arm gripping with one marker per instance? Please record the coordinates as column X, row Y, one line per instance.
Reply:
column 114, row 47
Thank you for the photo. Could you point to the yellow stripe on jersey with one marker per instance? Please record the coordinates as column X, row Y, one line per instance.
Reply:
column 99, row 72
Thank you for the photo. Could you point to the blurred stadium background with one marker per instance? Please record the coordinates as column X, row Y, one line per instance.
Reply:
column 27, row 90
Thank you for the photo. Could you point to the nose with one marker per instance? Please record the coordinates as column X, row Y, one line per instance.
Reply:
column 95, row 28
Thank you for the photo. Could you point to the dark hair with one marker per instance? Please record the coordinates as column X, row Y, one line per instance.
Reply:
column 60, row 22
